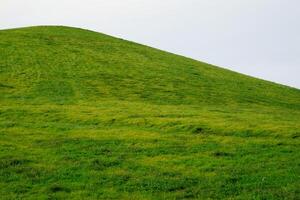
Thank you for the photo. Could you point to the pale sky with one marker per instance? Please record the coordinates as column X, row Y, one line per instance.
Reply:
column 255, row 37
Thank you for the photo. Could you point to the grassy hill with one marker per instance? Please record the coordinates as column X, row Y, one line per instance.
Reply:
column 88, row 116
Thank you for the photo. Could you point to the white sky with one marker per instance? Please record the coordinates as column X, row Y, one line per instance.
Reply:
column 256, row 37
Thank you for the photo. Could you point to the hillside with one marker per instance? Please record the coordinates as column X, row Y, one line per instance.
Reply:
column 84, row 115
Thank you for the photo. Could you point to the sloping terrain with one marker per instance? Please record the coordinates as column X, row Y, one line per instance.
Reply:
column 88, row 116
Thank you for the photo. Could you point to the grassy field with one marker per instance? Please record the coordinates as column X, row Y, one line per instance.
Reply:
column 87, row 116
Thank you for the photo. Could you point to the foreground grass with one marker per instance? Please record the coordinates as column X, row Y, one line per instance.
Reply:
column 88, row 116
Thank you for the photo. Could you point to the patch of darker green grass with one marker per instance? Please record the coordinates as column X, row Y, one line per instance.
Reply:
column 56, row 91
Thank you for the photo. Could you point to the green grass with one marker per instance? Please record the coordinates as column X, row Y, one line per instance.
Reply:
column 87, row 116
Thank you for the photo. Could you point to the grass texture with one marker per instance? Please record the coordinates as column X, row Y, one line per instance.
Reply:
column 87, row 116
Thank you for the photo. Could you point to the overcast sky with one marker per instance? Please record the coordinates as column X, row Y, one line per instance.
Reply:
column 256, row 37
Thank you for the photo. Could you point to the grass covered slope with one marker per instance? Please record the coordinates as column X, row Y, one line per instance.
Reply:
column 87, row 116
